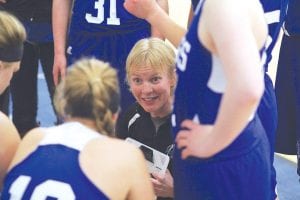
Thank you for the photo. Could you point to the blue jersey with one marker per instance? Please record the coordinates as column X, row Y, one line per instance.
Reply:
column 53, row 169
column 201, row 83
column 104, row 16
column 194, row 3
column 105, row 30
column 275, row 12
column 197, row 98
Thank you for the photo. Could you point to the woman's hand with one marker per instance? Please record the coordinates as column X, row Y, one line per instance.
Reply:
column 196, row 140
column 163, row 184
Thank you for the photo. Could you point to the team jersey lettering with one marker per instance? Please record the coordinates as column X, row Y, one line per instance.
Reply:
column 99, row 6
column 48, row 188
column 182, row 57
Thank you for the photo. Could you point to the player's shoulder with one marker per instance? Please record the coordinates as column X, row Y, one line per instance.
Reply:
column 114, row 145
column 115, row 150
column 235, row 5
column 28, row 144
column 7, row 128
column 34, row 136
column 4, row 120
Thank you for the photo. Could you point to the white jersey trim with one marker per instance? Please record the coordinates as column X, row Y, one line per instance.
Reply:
column 217, row 80
column 72, row 134
column 272, row 17
column 133, row 119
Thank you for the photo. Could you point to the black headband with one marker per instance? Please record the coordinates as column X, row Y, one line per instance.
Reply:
column 11, row 53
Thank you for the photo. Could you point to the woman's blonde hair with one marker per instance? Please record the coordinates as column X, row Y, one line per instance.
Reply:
column 12, row 32
column 90, row 90
column 151, row 52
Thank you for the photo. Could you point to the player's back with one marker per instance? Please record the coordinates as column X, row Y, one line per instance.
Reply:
column 104, row 17
column 53, row 168
column 104, row 30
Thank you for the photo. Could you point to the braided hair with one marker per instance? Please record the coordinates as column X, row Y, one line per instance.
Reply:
column 90, row 90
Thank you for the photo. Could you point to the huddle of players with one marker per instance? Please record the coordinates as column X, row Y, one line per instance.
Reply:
column 218, row 92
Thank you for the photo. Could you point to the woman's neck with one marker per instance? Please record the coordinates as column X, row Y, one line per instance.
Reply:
column 87, row 122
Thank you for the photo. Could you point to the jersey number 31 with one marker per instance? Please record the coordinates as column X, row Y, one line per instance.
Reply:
column 99, row 6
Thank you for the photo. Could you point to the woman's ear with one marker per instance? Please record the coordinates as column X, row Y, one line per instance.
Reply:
column 174, row 79
column 1, row 64
column 173, row 83
column 115, row 116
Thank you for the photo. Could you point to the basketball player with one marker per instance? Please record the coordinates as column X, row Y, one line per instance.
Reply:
column 12, row 36
column 78, row 159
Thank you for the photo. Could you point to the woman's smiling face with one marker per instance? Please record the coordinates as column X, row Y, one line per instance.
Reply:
column 152, row 89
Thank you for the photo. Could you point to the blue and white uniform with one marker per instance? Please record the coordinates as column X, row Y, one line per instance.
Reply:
column 105, row 30
column 240, row 171
column 52, row 170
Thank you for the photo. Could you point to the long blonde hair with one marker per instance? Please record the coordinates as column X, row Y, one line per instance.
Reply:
column 90, row 90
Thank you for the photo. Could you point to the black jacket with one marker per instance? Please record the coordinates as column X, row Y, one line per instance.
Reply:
column 143, row 130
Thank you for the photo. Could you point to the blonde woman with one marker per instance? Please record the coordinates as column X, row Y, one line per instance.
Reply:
column 151, row 76
column 12, row 36
column 79, row 159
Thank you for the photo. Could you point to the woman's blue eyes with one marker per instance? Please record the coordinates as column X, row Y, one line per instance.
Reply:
column 153, row 80
column 137, row 80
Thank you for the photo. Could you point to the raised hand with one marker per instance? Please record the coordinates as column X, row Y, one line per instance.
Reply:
column 141, row 8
